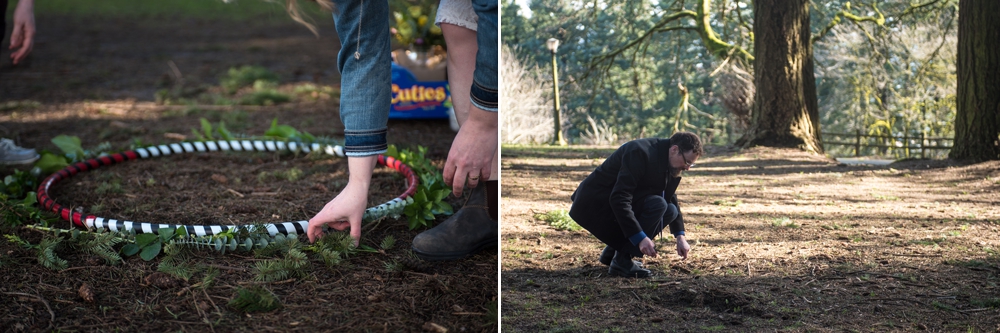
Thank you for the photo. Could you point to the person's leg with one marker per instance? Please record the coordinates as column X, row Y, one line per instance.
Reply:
column 10, row 153
column 3, row 20
column 474, row 226
column 365, row 64
column 649, row 212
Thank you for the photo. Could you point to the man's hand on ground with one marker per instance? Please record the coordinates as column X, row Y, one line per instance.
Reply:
column 682, row 247
column 647, row 247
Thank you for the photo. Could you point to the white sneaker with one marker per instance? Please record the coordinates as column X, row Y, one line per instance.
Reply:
column 11, row 153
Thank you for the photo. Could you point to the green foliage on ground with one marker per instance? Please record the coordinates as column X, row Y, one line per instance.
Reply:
column 429, row 199
column 559, row 219
column 255, row 299
column 246, row 76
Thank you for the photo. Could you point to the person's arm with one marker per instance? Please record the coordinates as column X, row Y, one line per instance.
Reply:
column 347, row 209
column 366, row 81
column 471, row 155
column 677, row 225
column 22, row 38
column 677, row 229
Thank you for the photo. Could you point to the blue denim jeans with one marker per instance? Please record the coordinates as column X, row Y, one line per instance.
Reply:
column 484, row 84
column 366, row 74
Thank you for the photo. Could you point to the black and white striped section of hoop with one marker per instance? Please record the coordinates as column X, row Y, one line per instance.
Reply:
column 237, row 145
column 286, row 228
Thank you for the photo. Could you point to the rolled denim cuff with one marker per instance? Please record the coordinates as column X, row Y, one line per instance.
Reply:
column 484, row 98
column 364, row 142
column 635, row 239
column 485, row 77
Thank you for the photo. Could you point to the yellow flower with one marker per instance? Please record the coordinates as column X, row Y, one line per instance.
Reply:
column 415, row 11
column 422, row 21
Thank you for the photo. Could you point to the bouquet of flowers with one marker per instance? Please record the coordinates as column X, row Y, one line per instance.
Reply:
column 413, row 24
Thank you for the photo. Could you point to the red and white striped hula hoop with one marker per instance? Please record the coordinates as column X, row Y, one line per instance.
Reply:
column 296, row 227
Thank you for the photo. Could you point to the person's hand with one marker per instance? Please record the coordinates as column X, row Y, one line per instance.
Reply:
column 471, row 154
column 647, row 247
column 22, row 37
column 347, row 209
column 344, row 211
column 682, row 247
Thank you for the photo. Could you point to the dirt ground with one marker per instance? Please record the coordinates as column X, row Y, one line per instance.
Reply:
column 781, row 241
column 97, row 79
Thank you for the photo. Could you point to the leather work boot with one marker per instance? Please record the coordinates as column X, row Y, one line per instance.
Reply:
column 618, row 267
column 609, row 254
column 468, row 231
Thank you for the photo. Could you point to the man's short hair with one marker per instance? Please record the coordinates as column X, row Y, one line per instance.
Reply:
column 687, row 141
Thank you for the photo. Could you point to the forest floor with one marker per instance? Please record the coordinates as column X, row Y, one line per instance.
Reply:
column 99, row 78
column 781, row 241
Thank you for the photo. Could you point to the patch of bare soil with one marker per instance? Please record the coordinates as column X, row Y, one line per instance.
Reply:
column 97, row 80
column 781, row 240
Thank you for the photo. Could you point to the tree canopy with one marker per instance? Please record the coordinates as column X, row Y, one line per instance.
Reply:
column 649, row 68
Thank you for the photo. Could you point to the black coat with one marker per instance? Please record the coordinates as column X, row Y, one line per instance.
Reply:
column 605, row 202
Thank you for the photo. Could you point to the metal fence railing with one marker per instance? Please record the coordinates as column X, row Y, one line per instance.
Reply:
column 905, row 145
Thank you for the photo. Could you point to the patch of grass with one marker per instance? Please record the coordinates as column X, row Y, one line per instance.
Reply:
column 265, row 97
column 714, row 328
column 315, row 92
column 942, row 306
column 246, row 76
column 972, row 263
column 255, row 299
column 113, row 186
column 784, row 222
column 835, row 226
column 885, row 197
column 727, row 203
column 929, row 241
column 992, row 302
column 560, row 220
column 291, row 175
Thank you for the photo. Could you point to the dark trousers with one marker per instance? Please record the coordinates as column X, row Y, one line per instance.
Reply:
column 3, row 19
column 654, row 214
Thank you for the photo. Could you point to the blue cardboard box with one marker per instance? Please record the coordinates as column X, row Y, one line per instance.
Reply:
column 412, row 99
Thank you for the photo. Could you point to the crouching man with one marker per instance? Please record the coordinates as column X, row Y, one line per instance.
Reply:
column 627, row 200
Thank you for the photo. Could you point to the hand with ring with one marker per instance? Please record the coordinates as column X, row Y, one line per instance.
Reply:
column 471, row 154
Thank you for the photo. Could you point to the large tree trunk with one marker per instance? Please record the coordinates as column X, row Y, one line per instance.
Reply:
column 977, row 120
column 785, row 113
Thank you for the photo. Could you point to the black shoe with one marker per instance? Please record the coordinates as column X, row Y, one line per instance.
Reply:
column 609, row 254
column 468, row 231
column 635, row 270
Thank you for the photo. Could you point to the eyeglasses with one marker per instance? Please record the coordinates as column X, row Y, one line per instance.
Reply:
column 688, row 164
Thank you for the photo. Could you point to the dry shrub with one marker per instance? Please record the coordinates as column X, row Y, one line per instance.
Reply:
column 737, row 95
column 525, row 101
column 599, row 133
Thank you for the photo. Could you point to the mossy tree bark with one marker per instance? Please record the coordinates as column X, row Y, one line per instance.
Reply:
column 977, row 118
column 785, row 111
